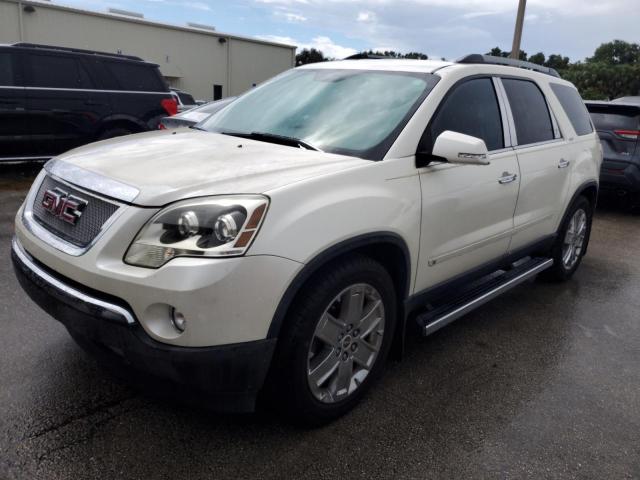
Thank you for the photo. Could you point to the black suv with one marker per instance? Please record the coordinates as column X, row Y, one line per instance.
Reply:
column 618, row 125
column 53, row 99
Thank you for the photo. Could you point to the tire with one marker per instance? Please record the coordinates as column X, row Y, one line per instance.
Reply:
column 114, row 132
column 564, row 264
column 304, row 346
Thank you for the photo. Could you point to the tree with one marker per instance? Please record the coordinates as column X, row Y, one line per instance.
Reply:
column 310, row 56
column 538, row 58
column 496, row 52
column 394, row 54
column 557, row 61
column 617, row 52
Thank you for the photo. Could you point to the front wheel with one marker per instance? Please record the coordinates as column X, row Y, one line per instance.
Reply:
column 336, row 340
column 572, row 241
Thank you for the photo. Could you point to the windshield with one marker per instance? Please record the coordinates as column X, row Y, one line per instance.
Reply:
column 350, row 112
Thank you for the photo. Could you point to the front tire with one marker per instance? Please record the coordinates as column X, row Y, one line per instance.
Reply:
column 335, row 341
column 572, row 241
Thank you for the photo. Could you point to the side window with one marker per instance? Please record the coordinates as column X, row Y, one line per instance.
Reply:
column 573, row 105
column 470, row 108
column 56, row 71
column 6, row 69
column 530, row 112
column 134, row 77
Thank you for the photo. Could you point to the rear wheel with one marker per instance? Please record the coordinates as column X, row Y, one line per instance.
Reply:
column 335, row 341
column 572, row 241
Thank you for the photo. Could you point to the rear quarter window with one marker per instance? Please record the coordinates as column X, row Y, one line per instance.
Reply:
column 574, row 107
column 134, row 77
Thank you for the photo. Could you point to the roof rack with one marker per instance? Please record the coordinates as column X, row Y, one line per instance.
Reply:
column 508, row 62
column 76, row 50
column 366, row 56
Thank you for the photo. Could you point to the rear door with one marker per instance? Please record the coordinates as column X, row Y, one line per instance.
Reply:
column 12, row 107
column 544, row 166
column 64, row 107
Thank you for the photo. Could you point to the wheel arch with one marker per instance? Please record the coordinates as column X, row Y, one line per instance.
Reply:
column 128, row 123
column 388, row 248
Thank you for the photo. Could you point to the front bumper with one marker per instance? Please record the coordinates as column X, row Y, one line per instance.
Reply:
column 231, row 375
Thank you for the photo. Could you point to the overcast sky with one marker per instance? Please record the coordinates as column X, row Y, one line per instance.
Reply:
column 439, row 28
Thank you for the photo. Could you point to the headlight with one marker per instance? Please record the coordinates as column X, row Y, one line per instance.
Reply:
column 203, row 227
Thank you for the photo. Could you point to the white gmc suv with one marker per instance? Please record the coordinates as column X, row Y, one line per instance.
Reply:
column 282, row 246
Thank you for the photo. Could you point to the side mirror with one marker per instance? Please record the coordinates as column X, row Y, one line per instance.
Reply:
column 457, row 147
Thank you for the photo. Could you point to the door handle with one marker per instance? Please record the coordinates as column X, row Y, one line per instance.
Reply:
column 563, row 163
column 507, row 178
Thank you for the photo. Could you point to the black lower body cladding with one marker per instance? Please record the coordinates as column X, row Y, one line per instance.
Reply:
column 229, row 376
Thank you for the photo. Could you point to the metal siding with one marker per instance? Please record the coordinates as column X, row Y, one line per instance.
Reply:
column 196, row 59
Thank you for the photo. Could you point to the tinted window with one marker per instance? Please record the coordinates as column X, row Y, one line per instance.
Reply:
column 185, row 98
column 612, row 117
column 56, row 71
column 471, row 108
column 530, row 112
column 6, row 69
column 141, row 78
column 574, row 107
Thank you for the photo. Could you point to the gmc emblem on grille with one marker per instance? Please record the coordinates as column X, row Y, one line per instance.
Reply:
column 64, row 206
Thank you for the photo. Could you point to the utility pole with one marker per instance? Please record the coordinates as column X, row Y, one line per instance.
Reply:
column 517, row 34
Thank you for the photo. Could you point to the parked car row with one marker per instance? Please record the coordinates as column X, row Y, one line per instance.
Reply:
column 195, row 115
column 53, row 99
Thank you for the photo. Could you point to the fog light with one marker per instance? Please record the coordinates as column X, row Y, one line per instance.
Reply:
column 178, row 320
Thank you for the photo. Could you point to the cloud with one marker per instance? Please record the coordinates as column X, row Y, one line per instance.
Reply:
column 366, row 17
column 322, row 43
column 292, row 17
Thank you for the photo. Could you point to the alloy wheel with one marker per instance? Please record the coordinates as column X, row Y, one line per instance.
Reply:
column 346, row 343
column 574, row 239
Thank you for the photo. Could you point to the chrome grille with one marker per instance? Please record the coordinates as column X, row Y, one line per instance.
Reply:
column 93, row 217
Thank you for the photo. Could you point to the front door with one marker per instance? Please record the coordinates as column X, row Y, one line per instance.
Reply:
column 467, row 213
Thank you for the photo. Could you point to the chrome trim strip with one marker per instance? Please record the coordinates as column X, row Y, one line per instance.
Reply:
column 22, row 159
column 531, row 223
column 469, row 248
column 54, row 282
column 49, row 238
column 91, row 181
column 85, row 90
column 481, row 300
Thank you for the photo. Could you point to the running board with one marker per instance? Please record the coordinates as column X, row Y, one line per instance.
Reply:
column 449, row 308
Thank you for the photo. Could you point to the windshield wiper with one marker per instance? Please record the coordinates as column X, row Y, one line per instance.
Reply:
column 273, row 138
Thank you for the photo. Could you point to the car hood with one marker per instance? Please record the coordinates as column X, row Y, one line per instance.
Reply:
column 155, row 168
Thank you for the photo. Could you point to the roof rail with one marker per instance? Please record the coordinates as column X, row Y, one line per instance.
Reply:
column 76, row 50
column 366, row 56
column 508, row 62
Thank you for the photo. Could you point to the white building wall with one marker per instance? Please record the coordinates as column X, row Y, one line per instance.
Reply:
column 193, row 60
